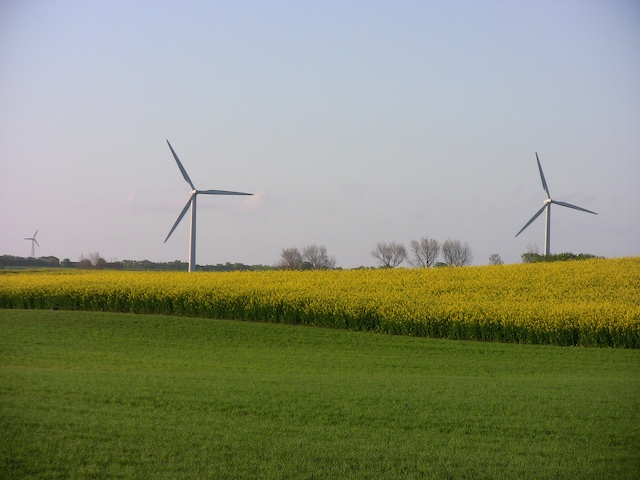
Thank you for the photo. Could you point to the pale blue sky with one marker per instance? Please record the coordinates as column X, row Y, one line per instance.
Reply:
column 352, row 122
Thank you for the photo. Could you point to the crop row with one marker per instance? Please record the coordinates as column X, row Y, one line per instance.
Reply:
column 594, row 302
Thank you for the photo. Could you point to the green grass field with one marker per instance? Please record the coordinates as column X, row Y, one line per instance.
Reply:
column 97, row 395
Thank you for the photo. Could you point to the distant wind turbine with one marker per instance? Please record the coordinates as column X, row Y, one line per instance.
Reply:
column 34, row 242
column 192, row 203
column 547, row 207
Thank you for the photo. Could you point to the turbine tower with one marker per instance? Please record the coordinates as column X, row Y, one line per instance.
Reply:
column 547, row 206
column 34, row 242
column 192, row 204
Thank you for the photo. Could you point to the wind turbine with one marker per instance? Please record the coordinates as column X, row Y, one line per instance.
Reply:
column 192, row 204
column 547, row 207
column 34, row 242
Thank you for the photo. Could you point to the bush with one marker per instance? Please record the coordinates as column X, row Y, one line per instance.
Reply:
column 532, row 257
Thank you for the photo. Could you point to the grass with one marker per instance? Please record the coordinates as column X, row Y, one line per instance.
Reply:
column 99, row 395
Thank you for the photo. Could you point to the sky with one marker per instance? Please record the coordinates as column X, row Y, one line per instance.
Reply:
column 351, row 122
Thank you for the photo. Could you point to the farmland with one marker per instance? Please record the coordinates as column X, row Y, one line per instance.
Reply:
column 104, row 395
column 180, row 392
column 586, row 303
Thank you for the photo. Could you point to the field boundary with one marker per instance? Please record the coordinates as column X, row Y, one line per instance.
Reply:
column 587, row 303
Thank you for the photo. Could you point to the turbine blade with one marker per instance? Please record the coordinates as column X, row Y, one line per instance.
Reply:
column 184, row 210
column 544, row 182
column 533, row 218
column 222, row 192
column 36, row 241
column 184, row 172
column 573, row 206
column 34, row 235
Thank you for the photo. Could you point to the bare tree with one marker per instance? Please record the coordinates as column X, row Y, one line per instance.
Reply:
column 290, row 259
column 495, row 259
column 95, row 258
column 425, row 251
column 317, row 257
column 533, row 248
column 456, row 253
column 389, row 255
column 532, row 254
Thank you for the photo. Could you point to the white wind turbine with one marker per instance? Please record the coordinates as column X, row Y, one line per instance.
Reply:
column 547, row 207
column 192, row 203
column 34, row 242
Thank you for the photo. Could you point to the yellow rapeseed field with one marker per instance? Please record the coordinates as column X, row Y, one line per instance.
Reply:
column 593, row 302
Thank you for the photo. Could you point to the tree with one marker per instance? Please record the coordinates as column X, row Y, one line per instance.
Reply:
column 456, row 253
column 424, row 252
column 317, row 257
column 290, row 259
column 389, row 255
column 96, row 260
column 84, row 262
column 495, row 259
column 50, row 260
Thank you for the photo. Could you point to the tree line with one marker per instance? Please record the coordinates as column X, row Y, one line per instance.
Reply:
column 94, row 261
column 423, row 253
column 13, row 261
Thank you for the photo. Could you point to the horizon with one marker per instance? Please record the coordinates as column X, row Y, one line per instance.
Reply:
column 404, row 265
